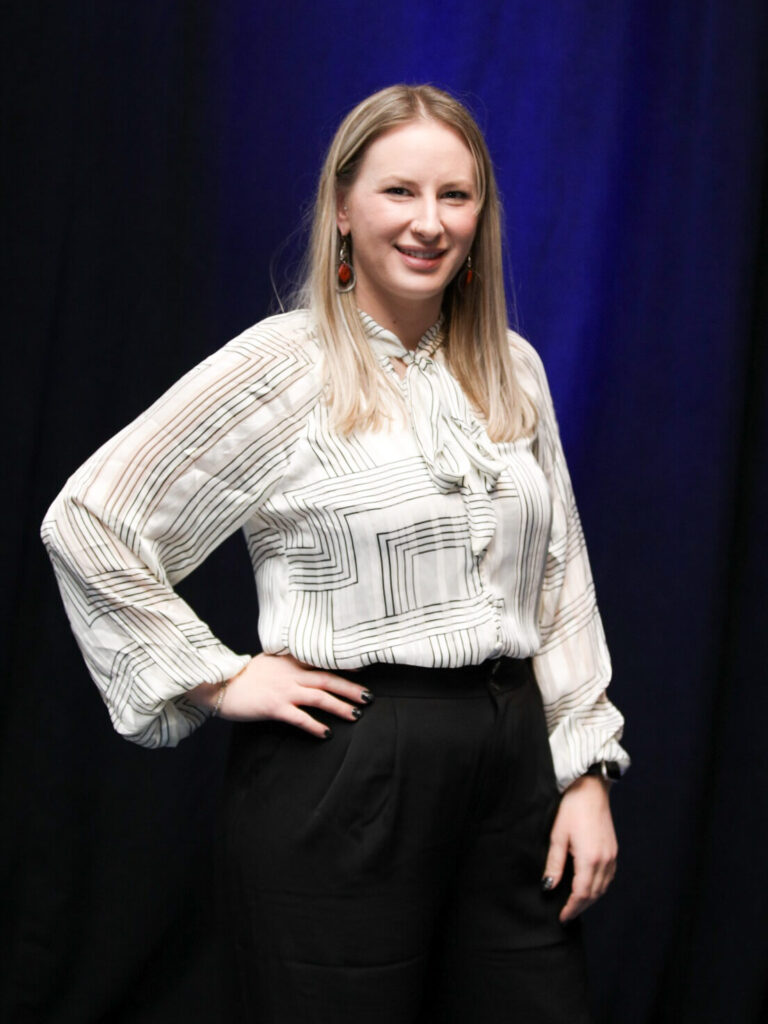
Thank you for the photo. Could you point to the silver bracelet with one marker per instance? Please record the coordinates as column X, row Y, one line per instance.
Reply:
column 219, row 699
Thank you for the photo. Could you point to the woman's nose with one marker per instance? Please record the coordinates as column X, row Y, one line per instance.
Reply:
column 427, row 223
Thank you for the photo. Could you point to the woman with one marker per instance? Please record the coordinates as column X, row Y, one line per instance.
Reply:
column 425, row 740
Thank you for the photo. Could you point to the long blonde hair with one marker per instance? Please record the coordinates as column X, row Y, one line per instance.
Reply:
column 476, row 344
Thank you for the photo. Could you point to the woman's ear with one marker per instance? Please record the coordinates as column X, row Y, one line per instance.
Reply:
column 342, row 217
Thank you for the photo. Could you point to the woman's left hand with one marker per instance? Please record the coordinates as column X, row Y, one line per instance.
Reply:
column 584, row 828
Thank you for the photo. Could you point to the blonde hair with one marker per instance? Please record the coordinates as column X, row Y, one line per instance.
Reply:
column 476, row 344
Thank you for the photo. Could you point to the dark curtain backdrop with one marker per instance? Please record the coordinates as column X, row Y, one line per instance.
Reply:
column 159, row 157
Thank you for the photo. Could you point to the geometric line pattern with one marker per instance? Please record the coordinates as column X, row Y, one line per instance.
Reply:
column 360, row 553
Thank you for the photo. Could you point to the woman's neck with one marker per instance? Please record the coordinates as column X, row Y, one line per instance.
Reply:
column 409, row 324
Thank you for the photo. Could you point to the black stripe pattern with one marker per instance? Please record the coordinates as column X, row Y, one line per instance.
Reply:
column 424, row 543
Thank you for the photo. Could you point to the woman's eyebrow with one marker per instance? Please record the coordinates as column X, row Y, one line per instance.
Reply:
column 463, row 183
column 398, row 178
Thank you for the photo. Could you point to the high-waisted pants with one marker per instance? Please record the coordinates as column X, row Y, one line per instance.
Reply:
column 392, row 873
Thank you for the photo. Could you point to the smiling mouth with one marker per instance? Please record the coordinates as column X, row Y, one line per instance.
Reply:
column 421, row 254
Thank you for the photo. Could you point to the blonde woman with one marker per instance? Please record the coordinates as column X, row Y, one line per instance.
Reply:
column 417, row 805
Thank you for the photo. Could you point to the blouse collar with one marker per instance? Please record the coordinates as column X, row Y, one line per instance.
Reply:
column 387, row 344
column 456, row 450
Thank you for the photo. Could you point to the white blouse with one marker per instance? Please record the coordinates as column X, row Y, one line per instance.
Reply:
column 424, row 543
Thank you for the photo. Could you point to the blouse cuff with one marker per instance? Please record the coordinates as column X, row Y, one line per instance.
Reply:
column 166, row 724
column 583, row 740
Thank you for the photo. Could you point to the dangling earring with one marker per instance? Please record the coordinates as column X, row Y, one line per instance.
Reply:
column 469, row 273
column 345, row 274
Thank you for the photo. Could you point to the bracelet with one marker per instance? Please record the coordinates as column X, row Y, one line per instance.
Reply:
column 219, row 699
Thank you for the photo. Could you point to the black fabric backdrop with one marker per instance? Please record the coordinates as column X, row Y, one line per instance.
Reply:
column 158, row 157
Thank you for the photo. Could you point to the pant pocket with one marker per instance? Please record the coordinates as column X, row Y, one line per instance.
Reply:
column 357, row 779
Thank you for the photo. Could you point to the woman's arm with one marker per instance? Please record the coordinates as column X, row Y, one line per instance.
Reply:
column 573, row 669
column 153, row 502
column 572, row 666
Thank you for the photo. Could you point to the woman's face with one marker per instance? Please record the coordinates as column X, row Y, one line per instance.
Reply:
column 412, row 214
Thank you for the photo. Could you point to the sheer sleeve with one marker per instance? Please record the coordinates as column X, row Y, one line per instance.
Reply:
column 153, row 502
column 572, row 666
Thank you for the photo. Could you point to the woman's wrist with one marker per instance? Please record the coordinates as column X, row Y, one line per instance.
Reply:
column 590, row 782
column 208, row 696
column 219, row 698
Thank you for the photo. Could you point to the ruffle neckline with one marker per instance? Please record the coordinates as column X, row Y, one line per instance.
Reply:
column 453, row 443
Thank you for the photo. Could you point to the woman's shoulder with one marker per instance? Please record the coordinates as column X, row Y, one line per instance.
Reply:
column 528, row 366
column 285, row 336
column 276, row 360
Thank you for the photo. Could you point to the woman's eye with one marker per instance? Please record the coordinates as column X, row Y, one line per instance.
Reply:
column 456, row 194
column 398, row 190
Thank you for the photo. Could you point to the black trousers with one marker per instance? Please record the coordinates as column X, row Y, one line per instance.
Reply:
column 391, row 874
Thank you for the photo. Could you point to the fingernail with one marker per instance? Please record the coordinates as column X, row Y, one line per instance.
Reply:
column 357, row 713
column 327, row 734
column 547, row 883
column 366, row 697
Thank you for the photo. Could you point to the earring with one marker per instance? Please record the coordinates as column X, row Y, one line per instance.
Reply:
column 467, row 275
column 346, row 278
column 469, row 272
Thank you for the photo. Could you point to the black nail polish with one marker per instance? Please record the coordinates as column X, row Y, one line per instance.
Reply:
column 327, row 734
column 357, row 713
column 366, row 697
column 547, row 883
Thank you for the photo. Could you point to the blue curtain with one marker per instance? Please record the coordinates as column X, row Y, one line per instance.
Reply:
column 162, row 157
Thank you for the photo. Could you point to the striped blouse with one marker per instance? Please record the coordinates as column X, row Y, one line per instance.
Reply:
column 424, row 543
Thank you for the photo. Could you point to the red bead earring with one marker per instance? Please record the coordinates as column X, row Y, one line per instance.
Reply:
column 345, row 273
column 468, row 273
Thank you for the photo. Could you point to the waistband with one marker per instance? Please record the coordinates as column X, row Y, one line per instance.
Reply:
column 496, row 676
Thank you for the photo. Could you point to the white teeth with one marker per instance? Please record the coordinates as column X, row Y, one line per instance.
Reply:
column 420, row 254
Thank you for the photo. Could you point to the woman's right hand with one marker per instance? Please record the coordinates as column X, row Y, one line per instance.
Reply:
column 278, row 687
